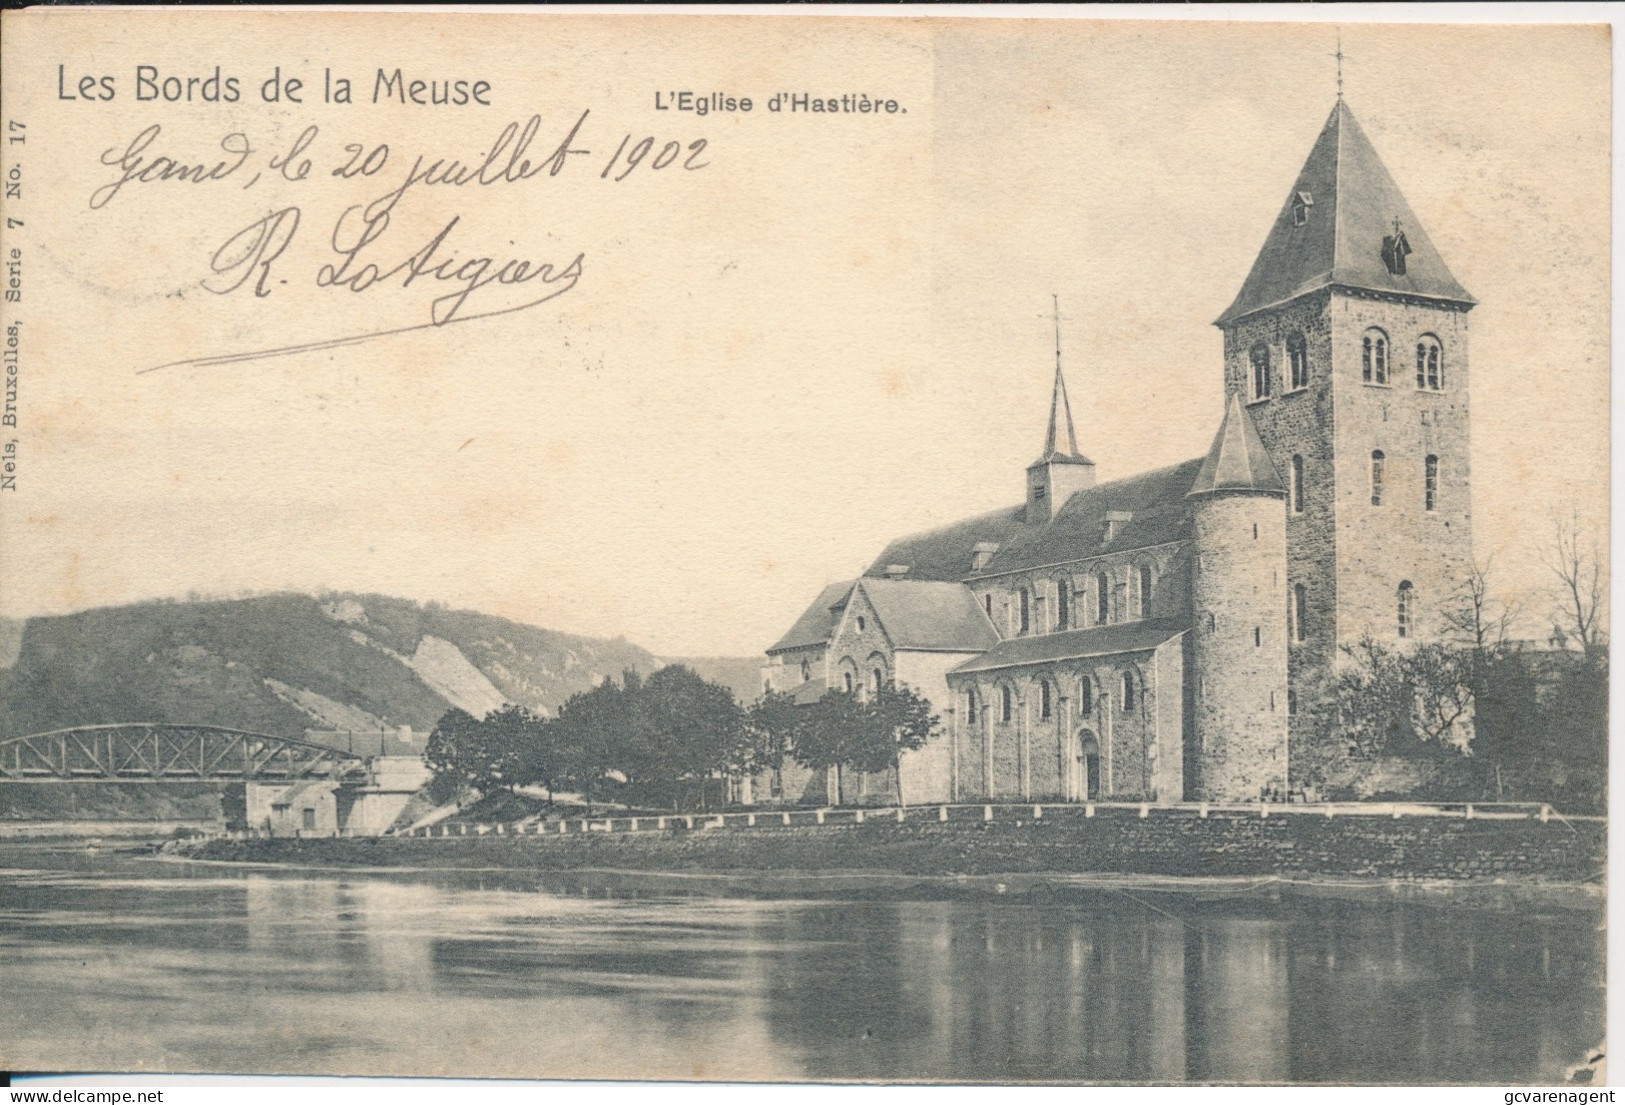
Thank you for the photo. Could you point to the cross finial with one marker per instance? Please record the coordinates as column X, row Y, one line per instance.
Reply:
column 1396, row 226
column 1339, row 56
column 1055, row 314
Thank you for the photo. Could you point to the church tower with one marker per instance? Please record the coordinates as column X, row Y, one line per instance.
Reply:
column 1347, row 346
column 1062, row 471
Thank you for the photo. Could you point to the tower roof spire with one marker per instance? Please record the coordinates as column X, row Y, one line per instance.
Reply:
column 1237, row 460
column 1061, row 440
column 1337, row 229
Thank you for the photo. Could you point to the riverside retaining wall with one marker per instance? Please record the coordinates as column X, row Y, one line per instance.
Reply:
column 1152, row 841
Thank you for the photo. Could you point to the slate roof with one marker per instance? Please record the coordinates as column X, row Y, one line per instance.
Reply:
column 916, row 614
column 817, row 623
column 945, row 554
column 1237, row 461
column 1156, row 501
column 808, row 692
column 1073, row 644
column 1341, row 243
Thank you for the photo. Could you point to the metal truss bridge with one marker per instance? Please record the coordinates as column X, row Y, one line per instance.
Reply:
column 167, row 753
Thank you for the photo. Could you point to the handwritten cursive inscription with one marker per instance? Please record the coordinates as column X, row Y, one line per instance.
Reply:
column 134, row 163
column 248, row 255
column 364, row 255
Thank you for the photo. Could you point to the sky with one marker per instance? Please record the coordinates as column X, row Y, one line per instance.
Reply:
column 834, row 331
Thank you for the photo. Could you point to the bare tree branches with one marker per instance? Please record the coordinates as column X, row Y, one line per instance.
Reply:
column 1482, row 619
column 1574, row 558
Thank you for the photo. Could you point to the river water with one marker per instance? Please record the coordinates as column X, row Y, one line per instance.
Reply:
column 112, row 962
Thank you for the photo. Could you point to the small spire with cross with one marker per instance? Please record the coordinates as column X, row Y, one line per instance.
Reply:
column 1062, row 438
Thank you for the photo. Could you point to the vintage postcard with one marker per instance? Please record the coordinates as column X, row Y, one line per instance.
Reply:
column 804, row 547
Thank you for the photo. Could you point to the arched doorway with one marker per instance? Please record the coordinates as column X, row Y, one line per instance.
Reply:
column 1088, row 767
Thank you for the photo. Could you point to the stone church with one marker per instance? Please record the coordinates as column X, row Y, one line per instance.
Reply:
column 1153, row 638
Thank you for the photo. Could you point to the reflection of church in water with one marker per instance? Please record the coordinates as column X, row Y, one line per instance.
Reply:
column 1161, row 636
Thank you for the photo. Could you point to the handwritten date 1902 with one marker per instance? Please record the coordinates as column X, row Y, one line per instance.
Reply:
column 669, row 153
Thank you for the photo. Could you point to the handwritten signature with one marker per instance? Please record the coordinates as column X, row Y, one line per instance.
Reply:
column 248, row 255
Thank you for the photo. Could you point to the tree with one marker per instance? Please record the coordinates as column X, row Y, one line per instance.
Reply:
column 688, row 730
column 827, row 735
column 1480, row 618
column 589, row 736
column 773, row 723
column 482, row 754
column 1582, row 590
column 895, row 721
column 840, row 731
column 1402, row 701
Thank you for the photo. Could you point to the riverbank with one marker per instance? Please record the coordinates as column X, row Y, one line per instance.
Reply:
column 1156, row 842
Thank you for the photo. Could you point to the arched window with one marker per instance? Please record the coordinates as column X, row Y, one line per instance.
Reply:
column 970, row 706
column 1043, row 698
column 1429, row 364
column 1143, row 578
column 1103, row 599
column 806, row 671
column 1300, row 602
column 1377, row 462
column 1086, row 697
column 1212, row 623
column 1297, row 485
column 1374, row 357
column 1258, row 636
column 1007, row 704
column 1297, row 356
column 1430, row 482
column 1063, row 604
column 846, row 678
column 987, row 604
column 1407, row 597
column 879, row 678
column 1259, row 355
column 862, row 625
column 1128, row 691
column 1026, row 617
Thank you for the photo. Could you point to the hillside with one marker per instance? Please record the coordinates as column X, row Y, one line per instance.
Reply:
column 286, row 663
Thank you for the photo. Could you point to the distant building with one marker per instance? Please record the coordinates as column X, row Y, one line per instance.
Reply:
column 1154, row 637
column 311, row 807
column 360, row 803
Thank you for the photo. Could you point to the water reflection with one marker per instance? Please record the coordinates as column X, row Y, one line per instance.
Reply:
column 140, row 966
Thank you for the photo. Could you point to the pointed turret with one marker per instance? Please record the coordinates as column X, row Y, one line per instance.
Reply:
column 1344, row 224
column 1237, row 461
column 1238, row 607
column 1062, row 471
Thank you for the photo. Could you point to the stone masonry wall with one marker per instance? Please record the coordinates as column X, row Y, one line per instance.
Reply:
column 1378, row 546
column 1300, row 423
column 1240, row 649
column 1166, row 842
